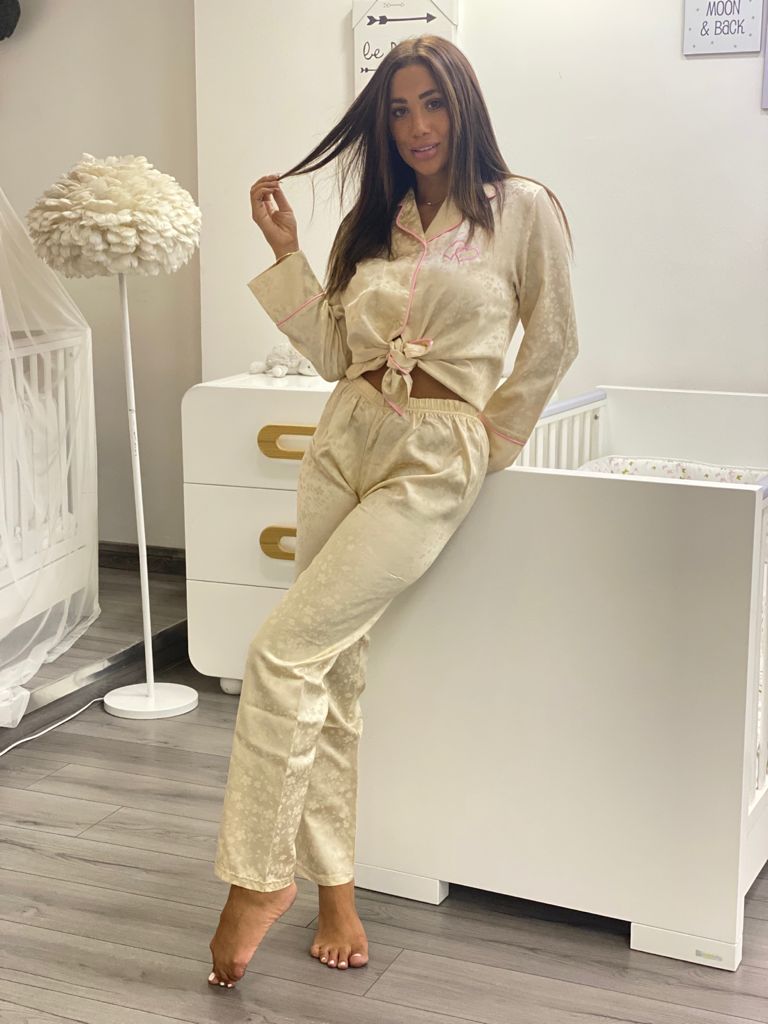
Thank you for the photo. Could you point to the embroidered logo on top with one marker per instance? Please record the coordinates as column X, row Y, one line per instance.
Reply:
column 461, row 252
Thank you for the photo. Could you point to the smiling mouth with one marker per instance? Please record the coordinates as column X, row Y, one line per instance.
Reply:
column 425, row 149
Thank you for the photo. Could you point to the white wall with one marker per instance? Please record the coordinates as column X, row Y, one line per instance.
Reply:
column 660, row 161
column 112, row 78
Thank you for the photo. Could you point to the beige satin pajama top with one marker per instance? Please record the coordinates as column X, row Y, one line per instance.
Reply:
column 448, row 306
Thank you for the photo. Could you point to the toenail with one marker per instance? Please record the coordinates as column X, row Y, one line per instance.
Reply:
column 221, row 983
column 323, row 959
column 331, row 962
column 211, row 976
column 342, row 963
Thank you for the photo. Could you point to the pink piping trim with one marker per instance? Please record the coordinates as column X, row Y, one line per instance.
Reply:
column 423, row 242
column 501, row 433
column 277, row 324
column 406, row 373
column 453, row 228
column 391, row 359
column 394, row 406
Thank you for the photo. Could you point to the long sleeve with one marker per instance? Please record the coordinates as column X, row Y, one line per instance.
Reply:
column 292, row 296
column 549, row 344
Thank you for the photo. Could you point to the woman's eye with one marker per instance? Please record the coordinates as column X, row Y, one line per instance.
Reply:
column 402, row 110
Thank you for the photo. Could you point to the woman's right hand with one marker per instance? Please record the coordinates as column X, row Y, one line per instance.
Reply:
column 278, row 225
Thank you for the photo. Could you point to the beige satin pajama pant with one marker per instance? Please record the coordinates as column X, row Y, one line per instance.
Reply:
column 379, row 495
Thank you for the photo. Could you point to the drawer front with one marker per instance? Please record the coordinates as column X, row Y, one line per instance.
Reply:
column 235, row 435
column 222, row 619
column 240, row 535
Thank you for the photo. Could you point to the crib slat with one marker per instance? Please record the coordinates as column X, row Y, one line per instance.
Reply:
column 589, row 446
column 49, row 447
column 24, row 446
column 574, row 456
column 61, row 476
column 562, row 446
column 73, row 418
column 36, row 426
column 541, row 444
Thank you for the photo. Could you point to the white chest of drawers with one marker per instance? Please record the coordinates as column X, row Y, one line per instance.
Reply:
column 240, row 507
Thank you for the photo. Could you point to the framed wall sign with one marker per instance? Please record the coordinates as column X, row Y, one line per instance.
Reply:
column 722, row 26
column 382, row 24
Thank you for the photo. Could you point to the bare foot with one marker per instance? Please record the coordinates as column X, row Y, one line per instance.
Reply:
column 245, row 920
column 340, row 939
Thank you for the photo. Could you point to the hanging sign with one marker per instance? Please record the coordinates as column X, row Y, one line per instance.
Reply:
column 381, row 25
column 722, row 26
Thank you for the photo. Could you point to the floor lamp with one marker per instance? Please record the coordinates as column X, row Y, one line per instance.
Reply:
column 120, row 216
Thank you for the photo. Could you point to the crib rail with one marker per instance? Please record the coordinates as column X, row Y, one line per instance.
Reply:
column 38, row 485
column 568, row 433
column 761, row 752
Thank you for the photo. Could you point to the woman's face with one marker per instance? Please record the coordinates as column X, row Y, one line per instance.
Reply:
column 418, row 120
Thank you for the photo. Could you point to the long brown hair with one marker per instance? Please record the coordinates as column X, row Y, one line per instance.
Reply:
column 363, row 140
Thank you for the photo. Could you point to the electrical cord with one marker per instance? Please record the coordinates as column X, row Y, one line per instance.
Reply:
column 48, row 728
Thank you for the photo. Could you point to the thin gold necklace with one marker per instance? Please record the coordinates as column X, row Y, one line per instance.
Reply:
column 424, row 202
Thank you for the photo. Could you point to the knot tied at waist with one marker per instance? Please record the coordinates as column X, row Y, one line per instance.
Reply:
column 401, row 358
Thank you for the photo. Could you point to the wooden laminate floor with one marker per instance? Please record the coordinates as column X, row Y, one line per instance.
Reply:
column 108, row 902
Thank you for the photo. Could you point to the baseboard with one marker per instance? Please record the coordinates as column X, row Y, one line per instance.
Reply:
column 115, row 555
column 66, row 696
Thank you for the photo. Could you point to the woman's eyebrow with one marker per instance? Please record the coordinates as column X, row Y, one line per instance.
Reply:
column 399, row 99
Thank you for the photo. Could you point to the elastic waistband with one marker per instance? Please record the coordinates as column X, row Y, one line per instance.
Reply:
column 373, row 395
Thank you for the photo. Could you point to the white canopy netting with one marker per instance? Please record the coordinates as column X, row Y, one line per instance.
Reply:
column 48, row 483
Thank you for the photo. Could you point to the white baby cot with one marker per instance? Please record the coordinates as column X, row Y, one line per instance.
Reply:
column 588, row 730
column 48, row 483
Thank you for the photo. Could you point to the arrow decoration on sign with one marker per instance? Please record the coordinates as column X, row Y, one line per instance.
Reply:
column 383, row 19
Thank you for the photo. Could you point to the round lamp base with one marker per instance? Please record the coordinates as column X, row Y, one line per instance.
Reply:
column 169, row 699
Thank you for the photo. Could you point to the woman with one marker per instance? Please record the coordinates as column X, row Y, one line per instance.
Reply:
column 429, row 273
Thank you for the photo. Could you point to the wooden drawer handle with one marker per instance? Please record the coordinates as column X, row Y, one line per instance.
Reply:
column 268, row 437
column 270, row 538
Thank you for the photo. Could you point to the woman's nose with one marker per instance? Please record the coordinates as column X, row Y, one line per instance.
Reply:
column 420, row 125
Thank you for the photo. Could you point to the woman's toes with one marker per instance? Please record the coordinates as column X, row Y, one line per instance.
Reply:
column 343, row 959
column 315, row 950
column 217, row 982
column 358, row 960
column 333, row 956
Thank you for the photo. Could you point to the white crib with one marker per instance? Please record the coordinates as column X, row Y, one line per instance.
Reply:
column 586, row 729
column 566, row 706
column 49, row 544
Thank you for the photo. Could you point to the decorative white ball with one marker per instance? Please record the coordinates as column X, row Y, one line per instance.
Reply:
column 119, row 215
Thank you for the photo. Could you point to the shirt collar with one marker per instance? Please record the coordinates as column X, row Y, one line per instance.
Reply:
column 448, row 215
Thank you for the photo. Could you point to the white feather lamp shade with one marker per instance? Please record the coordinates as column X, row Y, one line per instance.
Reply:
column 119, row 215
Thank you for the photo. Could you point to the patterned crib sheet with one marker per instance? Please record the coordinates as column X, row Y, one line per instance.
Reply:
column 681, row 470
